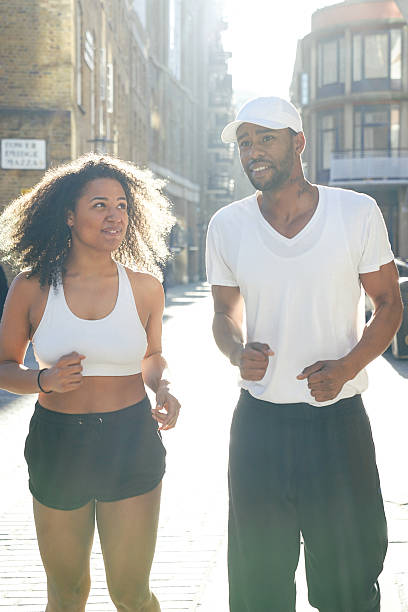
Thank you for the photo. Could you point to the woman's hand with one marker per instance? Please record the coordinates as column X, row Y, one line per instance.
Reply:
column 167, row 407
column 65, row 376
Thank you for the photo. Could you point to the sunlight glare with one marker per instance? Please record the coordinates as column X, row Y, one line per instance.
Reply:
column 262, row 36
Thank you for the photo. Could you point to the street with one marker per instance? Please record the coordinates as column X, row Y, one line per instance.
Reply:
column 189, row 570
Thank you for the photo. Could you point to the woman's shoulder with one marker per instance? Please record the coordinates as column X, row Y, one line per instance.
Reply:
column 25, row 285
column 144, row 283
column 26, row 295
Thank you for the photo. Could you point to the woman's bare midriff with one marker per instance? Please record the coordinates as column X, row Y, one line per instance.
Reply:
column 97, row 394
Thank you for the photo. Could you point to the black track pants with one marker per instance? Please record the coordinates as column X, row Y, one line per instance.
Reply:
column 299, row 468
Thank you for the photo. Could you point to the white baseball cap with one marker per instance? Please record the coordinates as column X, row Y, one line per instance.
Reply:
column 271, row 112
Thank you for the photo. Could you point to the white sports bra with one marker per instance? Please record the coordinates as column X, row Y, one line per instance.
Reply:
column 113, row 346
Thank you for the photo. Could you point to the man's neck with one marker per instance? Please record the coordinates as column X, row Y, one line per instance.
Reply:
column 296, row 196
column 289, row 209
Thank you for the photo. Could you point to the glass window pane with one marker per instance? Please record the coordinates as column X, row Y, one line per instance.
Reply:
column 376, row 137
column 140, row 8
column 328, row 122
column 357, row 138
column 342, row 61
column 395, row 127
column 376, row 56
column 376, row 116
column 329, row 145
column 304, row 85
column 396, row 54
column 357, row 57
column 329, row 59
column 320, row 66
column 175, row 37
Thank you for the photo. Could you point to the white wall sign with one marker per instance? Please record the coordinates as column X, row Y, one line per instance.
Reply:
column 23, row 154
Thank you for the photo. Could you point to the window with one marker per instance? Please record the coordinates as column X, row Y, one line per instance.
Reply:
column 328, row 64
column 376, row 56
column 396, row 43
column 102, row 74
column 377, row 60
column 304, row 88
column 328, row 128
column 89, row 50
column 331, row 67
column 175, row 37
column 376, row 129
column 102, row 91
column 109, row 88
column 140, row 8
column 79, row 53
column 395, row 128
column 92, row 105
column 357, row 57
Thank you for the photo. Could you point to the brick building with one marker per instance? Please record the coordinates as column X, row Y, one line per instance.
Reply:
column 187, row 71
column 126, row 77
column 351, row 83
column 72, row 74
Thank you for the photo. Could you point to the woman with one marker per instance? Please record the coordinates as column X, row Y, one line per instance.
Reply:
column 94, row 448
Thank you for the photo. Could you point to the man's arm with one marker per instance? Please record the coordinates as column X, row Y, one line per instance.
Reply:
column 326, row 378
column 383, row 289
column 252, row 358
column 227, row 323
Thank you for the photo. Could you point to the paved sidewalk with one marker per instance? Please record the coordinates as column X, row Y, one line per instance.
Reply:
column 189, row 570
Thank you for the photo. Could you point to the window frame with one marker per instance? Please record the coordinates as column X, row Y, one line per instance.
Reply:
column 79, row 55
column 365, row 108
column 337, row 87
column 323, row 174
column 380, row 83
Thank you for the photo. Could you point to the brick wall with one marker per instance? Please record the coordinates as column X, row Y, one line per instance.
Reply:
column 35, row 54
column 54, row 81
column 52, row 126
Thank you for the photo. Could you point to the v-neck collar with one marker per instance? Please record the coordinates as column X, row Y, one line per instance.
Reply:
column 309, row 225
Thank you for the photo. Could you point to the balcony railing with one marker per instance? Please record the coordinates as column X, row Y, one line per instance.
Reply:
column 223, row 99
column 220, row 183
column 389, row 165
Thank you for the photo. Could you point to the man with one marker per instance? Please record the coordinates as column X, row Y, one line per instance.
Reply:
column 301, row 452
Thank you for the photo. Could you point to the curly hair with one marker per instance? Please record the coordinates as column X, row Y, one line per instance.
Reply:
column 34, row 234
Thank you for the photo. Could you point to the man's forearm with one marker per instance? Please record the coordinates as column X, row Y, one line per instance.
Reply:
column 228, row 336
column 376, row 337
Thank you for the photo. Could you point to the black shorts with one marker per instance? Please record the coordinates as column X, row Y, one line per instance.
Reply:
column 106, row 456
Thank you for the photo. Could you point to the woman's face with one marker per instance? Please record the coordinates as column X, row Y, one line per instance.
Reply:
column 100, row 218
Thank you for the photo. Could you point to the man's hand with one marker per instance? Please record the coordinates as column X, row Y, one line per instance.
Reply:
column 325, row 378
column 253, row 360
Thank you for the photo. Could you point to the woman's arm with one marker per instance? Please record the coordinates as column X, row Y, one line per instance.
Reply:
column 15, row 331
column 14, row 338
column 154, row 364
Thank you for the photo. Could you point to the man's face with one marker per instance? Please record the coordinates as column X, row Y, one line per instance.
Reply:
column 267, row 156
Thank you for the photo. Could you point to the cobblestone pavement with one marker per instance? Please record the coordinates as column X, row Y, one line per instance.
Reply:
column 189, row 570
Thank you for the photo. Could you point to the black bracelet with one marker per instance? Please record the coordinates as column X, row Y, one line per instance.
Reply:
column 38, row 381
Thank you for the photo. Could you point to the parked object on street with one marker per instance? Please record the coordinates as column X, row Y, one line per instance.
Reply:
column 399, row 344
column 402, row 266
column 294, row 256
column 94, row 450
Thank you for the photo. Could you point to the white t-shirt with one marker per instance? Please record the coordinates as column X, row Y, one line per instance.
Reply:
column 302, row 295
